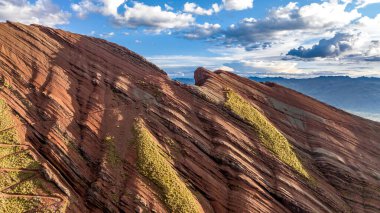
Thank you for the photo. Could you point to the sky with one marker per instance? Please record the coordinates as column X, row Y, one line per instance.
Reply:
column 266, row 38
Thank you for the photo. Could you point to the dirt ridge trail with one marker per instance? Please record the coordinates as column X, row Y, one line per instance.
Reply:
column 32, row 196
column 18, row 170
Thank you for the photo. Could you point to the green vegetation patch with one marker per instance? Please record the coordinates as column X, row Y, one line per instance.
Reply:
column 112, row 156
column 4, row 83
column 21, row 160
column 18, row 204
column 156, row 168
column 267, row 132
column 12, row 177
column 14, row 157
column 7, row 150
column 6, row 123
column 28, row 187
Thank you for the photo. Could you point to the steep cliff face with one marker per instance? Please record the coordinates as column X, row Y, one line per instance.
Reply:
column 112, row 133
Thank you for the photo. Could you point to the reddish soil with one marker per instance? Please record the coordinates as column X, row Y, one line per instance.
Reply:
column 72, row 91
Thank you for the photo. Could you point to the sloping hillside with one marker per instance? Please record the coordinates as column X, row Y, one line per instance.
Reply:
column 110, row 132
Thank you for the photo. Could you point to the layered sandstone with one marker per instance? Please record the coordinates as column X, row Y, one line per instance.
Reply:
column 77, row 100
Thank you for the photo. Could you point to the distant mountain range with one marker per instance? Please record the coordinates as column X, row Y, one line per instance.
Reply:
column 360, row 96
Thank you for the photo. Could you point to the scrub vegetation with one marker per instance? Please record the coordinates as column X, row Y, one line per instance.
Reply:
column 18, row 204
column 15, row 157
column 112, row 156
column 268, row 134
column 153, row 165
column 8, row 134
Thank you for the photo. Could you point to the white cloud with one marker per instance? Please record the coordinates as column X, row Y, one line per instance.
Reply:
column 168, row 7
column 357, row 40
column 286, row 68
column 178, row 61
column 42, row 12
column 195, row 9
column 226, row 68
column 84, row 7
column 105, row 7
column 139, row 14
column 111, row 6
column 340, row 44
column 369, row 26
column 202, row 31
column 327, row 14
column 373, row 49
column 237, row 4
column 291, row 22
column 216, row 7
column 153, row 17
column 107, row 35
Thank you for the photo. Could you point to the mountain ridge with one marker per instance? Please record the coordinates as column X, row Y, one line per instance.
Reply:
column 359, row 96
column 93, row 110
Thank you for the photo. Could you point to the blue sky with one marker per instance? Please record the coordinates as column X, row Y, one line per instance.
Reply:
column 299, row 39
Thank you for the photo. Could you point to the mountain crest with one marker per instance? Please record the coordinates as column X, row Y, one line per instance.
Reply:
column 103, row 130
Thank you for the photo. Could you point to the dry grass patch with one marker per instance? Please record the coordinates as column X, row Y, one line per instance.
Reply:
column 28, row 187
column 18, row 204
column 272, row 139
column 12, row 177
column 153, row 165
column 23, row 182
column 6, row 122
column 21, row 160
column 7, row 150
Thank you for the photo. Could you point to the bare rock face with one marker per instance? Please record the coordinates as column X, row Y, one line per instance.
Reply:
column 76, row 101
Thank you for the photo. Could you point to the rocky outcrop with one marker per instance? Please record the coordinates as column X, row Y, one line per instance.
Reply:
column 78, row 98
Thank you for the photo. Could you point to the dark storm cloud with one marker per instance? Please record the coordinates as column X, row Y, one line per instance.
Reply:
column 375, row 58
column 340, row 43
